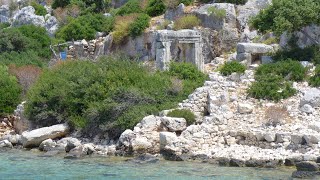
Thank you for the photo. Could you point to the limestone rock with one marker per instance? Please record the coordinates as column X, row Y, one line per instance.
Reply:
column 47, row 145
column 173, row 14
column 35, row 137
column 27, row 16
column 245, row 108
column 4, row 13
column 307, row 166
column 126, row 137
column 253, row 48
column 307, row 108
column 150, row 123
column 212, row 21
column 167, row 139
column 270, row 137
column 141, row 144
column 311, row 97
column 72, row 143
column 5, row 144
column 174, row 124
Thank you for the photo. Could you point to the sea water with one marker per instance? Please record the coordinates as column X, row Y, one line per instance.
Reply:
column 18, row 164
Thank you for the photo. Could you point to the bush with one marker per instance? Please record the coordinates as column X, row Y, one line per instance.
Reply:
column 85, row 27
column 186, row 22
column 310, row 53
column 9, row 92
column 232, row 67
column 109, row 96
column 287, row 15
column 122, row 28
column 237, row 2
column 132, row 6
column 183, row 113
column 4, row 25
column 288, row 69
column 22, row 58
column 137, row 27
column 315, row 80
column 60, row 3
column 155, row 8
column 271, row 87
column 39, row 9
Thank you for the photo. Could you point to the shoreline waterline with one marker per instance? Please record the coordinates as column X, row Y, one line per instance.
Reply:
column 20, row 164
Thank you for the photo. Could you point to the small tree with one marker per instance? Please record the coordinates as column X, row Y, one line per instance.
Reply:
column 9, row 92
column 288, row 15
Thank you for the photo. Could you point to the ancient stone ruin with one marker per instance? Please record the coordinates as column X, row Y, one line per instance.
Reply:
column 186, row 44
column 253, row 53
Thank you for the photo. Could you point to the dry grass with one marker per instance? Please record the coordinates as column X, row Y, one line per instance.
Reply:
column 186, row 22
column 276, row 115
column 121, row 29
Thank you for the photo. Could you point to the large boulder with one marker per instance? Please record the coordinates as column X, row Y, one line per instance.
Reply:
column 167, row 139
column 307, row 166
column 174, row 124
column 253, row 48
column 47, row 145
column 210, row 20
column 5, row 144
column 311, row 97
column 35, row 137
column 175, row 13
column 4, row 13
column 27, row 16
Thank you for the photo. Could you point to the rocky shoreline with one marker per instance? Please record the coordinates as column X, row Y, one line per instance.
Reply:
column 235, row 130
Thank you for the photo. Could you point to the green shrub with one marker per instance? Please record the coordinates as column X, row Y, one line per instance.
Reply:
column 85, row 27
column 315, row 79
column 186, row 22
column 39, row 9
column 232, row 67
column 287, row 15
column 4, row 25
column 237, row 2
column 9, row 92
column 137, row 27
column 132, row 6
column 155, row 8
column 310, row 53
column 288, row 69
column 60, row 3
column 219, row 13
column 109, row 96
column 22, row 58
column 271, row 87
column 183, row 113
column 25, row 38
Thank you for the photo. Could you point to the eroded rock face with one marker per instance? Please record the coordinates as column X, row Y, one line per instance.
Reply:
column 173, row 14
column 311, row 97
column 4, row 13
column 27, row 16
column 174, row 124
column 35, row 137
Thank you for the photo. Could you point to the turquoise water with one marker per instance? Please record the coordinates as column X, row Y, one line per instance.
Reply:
column 28, row 165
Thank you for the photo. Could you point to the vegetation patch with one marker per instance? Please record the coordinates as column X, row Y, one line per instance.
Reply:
column 315, row 79
column 9, row 92
column 108, row 96
column 232, row 67
column 219, row 13
column 186, row 22
column 183, row 113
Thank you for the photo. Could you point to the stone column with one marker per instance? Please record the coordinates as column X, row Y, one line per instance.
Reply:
column 198, row 57
column 163, row 55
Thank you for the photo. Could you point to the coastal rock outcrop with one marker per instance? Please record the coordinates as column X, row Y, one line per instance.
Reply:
column 35, row 137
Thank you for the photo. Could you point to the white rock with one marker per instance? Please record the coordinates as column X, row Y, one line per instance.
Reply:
column 5, row 144
column 167, row 138
column 35, row 137
column 46, row 145
column 311, row 97
column 174, row 124
column 245, row 108
column 307, row 108
column 270, row 137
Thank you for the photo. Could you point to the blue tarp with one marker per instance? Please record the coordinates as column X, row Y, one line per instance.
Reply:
column 63, row 55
